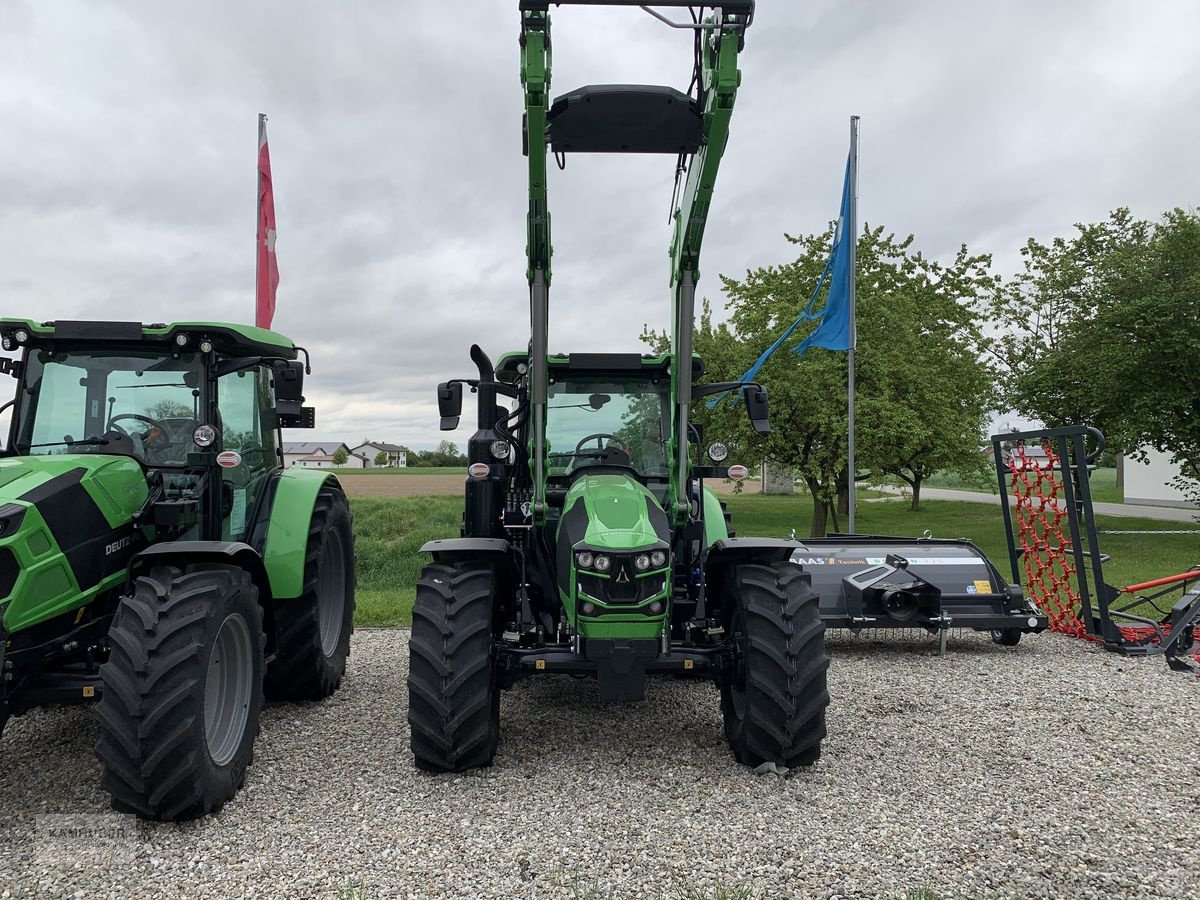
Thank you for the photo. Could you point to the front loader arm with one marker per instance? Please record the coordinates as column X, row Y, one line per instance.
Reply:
column 717, row 82
column 535, row 77
column 721, row 37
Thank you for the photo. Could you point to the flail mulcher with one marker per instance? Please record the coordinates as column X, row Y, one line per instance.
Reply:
column 590, row 545
column 156, row 558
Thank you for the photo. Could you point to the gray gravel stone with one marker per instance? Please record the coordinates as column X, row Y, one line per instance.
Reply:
column 991, row 773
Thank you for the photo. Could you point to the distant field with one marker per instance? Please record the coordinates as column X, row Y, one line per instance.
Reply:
column 391, row 531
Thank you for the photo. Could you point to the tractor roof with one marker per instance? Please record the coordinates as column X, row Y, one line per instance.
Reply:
column 627, row 364
column 228, row 338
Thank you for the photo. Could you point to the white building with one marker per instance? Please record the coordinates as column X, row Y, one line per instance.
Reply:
column 1148, row 482
column 397, row 458
column 294, row 451
column 325, row 461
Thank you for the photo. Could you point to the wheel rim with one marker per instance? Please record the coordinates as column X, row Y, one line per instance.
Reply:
column 228, row 689
column 331, row 593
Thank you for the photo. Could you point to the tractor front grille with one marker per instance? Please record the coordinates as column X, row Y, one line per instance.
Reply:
column 9, row 570
column 622, row 587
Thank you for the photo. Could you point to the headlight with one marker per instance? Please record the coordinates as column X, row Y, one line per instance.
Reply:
column 204, row 436
column 717, row 451
column 500, row 449
column 658, row 559
column 641, row 562
column 603, row 563
column 583, row 560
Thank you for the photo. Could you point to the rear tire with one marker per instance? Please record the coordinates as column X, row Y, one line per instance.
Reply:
column 313, row 630
column 1006, row 637
column 182, row 690
column 774, row 707
column 453, row 694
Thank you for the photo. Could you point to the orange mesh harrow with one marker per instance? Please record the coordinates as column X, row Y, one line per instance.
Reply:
column 1048, row 555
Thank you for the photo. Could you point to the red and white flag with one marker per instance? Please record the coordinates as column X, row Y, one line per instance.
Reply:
column 267, row 269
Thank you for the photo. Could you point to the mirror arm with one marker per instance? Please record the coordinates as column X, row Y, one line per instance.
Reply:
column 707, row 390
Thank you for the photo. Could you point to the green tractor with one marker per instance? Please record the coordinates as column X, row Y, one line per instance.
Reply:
column 590, row 545
column 156, row 558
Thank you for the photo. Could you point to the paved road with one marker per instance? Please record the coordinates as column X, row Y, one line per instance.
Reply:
column 1162, row 513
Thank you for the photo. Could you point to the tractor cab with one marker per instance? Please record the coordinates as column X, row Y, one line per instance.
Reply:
column 196, row 408
column 606, row 414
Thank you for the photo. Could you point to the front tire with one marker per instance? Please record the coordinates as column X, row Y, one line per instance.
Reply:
column 774, row 706
column 1006, row 637
column 313, row 630
column 182, row 690
column 453, row 694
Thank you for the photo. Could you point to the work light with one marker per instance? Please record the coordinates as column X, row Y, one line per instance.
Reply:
column 204, row 436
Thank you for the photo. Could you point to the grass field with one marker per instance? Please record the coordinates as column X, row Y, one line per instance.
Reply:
column 390, row 532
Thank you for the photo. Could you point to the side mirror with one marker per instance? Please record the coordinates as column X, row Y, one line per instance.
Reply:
column 288, row 375
column 289, row 380
column 449, row 396
column 756, row 408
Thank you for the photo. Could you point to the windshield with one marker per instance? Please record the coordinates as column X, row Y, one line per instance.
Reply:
column 145, row 406
column 587, row 416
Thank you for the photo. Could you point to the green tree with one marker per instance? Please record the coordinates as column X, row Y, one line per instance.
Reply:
column 923, row 393
column 381, row 458
column 1103, row 329
column 340, row 456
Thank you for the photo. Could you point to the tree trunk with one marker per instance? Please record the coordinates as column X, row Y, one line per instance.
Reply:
column 1119, row 459
column 820, row 507
column 843, row 492
column 916, row 489
column 833, row 515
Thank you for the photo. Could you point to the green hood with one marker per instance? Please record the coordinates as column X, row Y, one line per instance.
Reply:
column 115, row 483
column 67, row 531
column 621, row 513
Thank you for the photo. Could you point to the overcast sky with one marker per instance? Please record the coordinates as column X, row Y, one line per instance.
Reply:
column 128, row 138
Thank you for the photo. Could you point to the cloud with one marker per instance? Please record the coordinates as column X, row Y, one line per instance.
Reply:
column 127, row 162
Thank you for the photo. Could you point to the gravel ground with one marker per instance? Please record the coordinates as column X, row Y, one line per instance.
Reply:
column 984, row 774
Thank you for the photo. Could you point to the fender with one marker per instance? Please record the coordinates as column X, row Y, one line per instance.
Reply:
column 287, row 532
column 730, row 551
column 184, row 553
column 453, row 549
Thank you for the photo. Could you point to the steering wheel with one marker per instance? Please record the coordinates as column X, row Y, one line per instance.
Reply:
column 153, row 438
column 614, row 455
column 597, row 437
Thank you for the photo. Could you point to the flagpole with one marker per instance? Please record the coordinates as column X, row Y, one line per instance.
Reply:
column 262, row 124
column 852, row 224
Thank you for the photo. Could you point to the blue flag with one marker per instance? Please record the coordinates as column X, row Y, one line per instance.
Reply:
column 833, row 332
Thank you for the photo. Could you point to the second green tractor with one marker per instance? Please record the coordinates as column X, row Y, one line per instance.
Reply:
column 590, row 544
